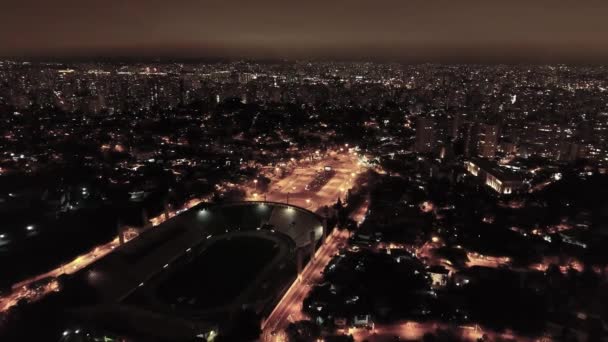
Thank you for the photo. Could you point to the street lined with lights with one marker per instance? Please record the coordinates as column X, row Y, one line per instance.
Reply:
column 345, row 165
column 292, row 188
column 289, row 307
column 22, row 291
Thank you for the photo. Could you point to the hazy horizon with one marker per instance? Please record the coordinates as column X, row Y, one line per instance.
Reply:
column 405, row 31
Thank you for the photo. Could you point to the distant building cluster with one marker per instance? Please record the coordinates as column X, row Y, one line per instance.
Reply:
column 462, row 181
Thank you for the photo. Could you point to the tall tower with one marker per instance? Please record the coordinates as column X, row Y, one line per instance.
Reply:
column 487, row 140
column 454, row 126
column 425, row 135
column 467, row 134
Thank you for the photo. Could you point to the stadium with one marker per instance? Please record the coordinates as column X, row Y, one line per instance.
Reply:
column 190, row 275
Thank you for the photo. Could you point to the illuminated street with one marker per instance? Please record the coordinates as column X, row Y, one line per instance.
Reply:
column 416, row 330
column 289, row 309
column 21, row 290
column 345, row 164
column 347, row 167
column 475, row 259
column 178, row 188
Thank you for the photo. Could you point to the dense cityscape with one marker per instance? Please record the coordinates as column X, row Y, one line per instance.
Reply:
column 458, row 202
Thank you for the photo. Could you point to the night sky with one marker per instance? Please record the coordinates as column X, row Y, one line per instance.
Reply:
column 408, row 30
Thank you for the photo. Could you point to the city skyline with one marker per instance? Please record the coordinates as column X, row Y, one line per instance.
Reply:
column 311, row 171
column 432, row 187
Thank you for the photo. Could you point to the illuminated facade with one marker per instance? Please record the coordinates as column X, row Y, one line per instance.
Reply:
column 492, row 176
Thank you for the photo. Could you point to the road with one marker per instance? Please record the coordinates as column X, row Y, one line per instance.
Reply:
column 346, row 166
column 414, row 331
column 22, row 290
column 476, row 259
column 360, row 214
column 289, row 309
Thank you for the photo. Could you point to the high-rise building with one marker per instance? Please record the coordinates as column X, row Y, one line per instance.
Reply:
column 467, row 136
column 246, row 77
column 585, row 131
column 425, row 135
column 570, row 151
column 454, row 126
column 487, row 140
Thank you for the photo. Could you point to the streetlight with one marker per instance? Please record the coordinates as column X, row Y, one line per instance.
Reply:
column 29, row 228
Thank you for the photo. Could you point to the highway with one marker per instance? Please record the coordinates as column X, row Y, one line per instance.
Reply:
column 289, row 309
column 22, row 291
column 414, row 331
column 347, row 166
